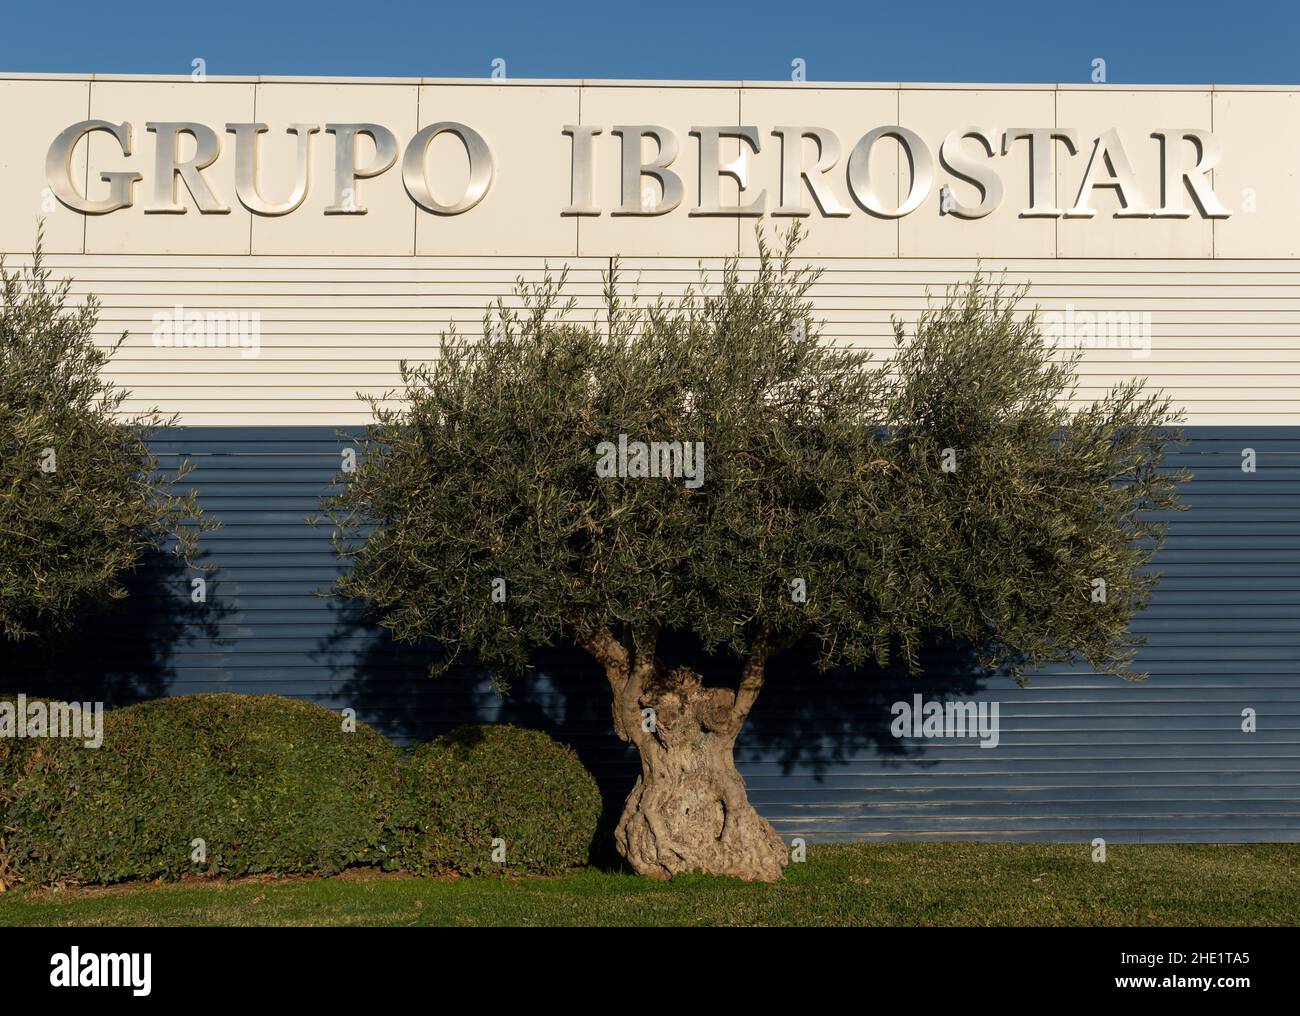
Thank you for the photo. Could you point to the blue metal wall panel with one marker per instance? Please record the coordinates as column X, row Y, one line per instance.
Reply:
column 1081, row 755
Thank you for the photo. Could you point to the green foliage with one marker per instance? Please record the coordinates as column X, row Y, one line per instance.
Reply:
column 1046, row 498
column 16, row 754
column 70, row 533
column 821, row 465
column 275, row 785
column 479, row 783
column 13, row 753
column 270, row 784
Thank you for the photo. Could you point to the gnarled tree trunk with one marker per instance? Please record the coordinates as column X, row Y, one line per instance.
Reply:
column 688, row 810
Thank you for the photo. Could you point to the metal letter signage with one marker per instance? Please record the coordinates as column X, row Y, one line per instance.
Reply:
column 645, row 161
column 58, row 169
column 416, row 176
column 246, row 166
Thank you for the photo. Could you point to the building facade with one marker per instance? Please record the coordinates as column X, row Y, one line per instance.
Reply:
column 273, row 247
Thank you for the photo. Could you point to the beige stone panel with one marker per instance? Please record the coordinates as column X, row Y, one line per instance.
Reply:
column 1134, row 115
column 521, row 213
column 675, row 233
column 1004, row 232
column 388, row 225
column 849, row 114
column 33, row 114
column 130, row 230
column 1258, row 178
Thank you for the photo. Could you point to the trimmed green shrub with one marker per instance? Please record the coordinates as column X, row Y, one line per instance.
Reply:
column 268, row 783
column 13, row 751
column 15, row 755
column 495, row 781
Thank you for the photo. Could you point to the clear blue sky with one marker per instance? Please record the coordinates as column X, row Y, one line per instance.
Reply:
column 1197, row 41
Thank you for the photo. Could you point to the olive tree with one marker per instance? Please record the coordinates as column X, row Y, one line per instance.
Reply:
column 82, row 497
column 543, row 484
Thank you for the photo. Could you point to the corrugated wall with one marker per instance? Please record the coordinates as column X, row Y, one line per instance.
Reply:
column 1080, row 755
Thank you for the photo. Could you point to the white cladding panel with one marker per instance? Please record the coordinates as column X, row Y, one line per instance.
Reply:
column 339, row 300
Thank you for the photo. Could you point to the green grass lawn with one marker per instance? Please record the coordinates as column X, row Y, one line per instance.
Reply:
column 850, row 884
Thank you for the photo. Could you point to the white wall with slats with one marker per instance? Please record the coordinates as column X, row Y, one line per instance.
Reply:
column 1225, row 336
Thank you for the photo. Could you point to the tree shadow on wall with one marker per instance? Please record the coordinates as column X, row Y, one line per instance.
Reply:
column 812, row 721
column 388, row 683
column 807, row 721
column 126, row 652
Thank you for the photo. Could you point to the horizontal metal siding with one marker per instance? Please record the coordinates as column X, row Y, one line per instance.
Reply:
column 1081, row 755
column 1225, row 333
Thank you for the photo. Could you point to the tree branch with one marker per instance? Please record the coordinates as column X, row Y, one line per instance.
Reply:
column 645, row 642
column 765, row 646
column 628, row 663
column 610, row 654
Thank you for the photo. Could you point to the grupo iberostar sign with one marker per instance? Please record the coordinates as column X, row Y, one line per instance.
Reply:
column 810, row 179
